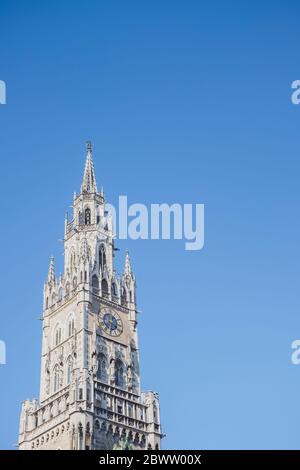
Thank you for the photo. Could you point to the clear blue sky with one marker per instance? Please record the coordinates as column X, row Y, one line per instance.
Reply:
column 185, row 102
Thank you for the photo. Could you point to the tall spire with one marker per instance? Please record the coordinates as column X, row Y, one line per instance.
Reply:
column 51, row 273
column 89, row 179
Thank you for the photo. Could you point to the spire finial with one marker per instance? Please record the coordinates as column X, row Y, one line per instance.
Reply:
column 128, row 269
column 51, row 273
column 89, row 179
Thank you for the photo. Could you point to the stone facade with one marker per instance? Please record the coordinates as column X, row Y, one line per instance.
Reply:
column 90, row 396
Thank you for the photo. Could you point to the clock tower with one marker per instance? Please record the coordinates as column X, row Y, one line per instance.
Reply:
column 90, row 395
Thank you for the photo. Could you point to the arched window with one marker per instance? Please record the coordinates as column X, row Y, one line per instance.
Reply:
column 87, row 216
column 124, row 296
column 71, row 327
column 60, row 293
column 102, row 368
column 102, row 258
column 56, row 379
column 104, row 287
column 57, row 336
column 47, row 302
column 119, row 373
column 95, row 282
column 75, row 282
column 114, row 289
column 67, row 288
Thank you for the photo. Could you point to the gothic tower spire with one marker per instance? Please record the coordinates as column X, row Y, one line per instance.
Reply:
column 89, row 179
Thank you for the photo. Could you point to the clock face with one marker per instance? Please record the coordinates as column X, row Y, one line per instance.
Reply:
column 111, row 323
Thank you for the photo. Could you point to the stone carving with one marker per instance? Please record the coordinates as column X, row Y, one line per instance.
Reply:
column 94, row 363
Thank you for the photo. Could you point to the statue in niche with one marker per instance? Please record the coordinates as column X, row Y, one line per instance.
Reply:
column 47, row 372
column 112, row 371
column 94, row 363
column 130, row 377
column 73, row 347
column 47, row 362
column 61, row 357
column 123, row 444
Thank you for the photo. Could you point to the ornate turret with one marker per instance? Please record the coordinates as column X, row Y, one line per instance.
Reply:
column 51, row 272
column 128, row 283
column 128, row 269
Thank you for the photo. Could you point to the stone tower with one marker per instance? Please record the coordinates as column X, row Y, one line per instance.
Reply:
column 90, row 396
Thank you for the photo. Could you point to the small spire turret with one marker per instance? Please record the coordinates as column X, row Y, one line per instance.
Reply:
column 51, row 273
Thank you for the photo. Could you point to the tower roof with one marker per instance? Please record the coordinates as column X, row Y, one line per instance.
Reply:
column 89, row 179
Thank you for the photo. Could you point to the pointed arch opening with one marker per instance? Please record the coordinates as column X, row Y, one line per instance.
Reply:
column 56, row 377
column 71, row 326
column 104, row 288
column 102, row 368
column 60, row 294
column 57, row 336
column 119, row 374
column 67, row 288
column 87, row 216
column 102, row 258
column 95, row 283
column 114, row 289
column 124, row 296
